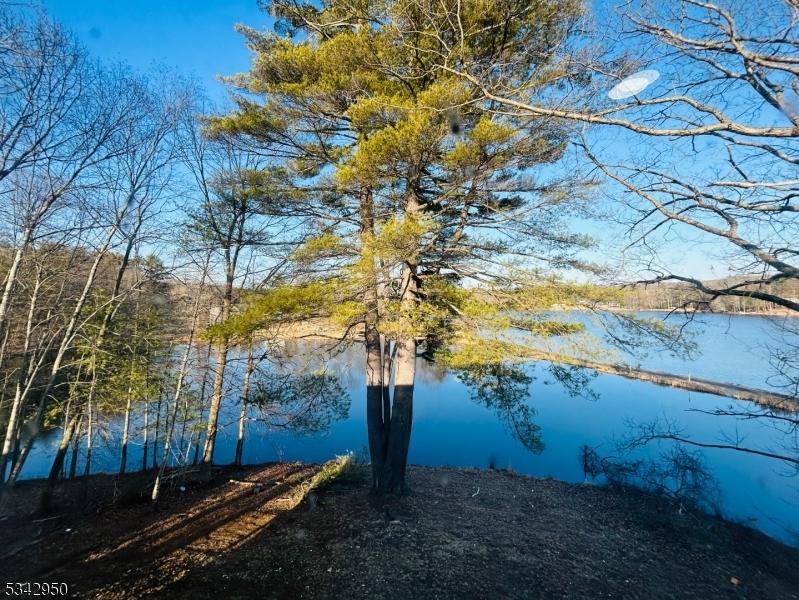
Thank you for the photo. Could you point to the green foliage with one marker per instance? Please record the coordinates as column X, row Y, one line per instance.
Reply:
column 279, row 305
column 546, row 327
column 541, row 294
column 399, row 237
column 321, row 247
column 411, row 178
column 474, row 352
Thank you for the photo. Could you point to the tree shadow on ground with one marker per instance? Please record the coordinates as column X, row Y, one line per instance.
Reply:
column 461, row 533
column 464, row 534
column 134, row 550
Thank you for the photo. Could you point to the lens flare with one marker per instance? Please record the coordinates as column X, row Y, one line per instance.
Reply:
column 633, row 85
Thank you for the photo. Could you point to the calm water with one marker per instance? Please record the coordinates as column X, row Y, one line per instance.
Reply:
column 452, row 428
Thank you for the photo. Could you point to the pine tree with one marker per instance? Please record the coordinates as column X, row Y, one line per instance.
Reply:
column 434, row 225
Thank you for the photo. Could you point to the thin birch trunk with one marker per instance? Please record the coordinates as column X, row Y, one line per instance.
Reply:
column 123, row 452
column 11, row 277
column 69, row 335
column 184, row 368
column 145, row 442
column 21, row 384
column 157, row 427
column 245, row 396
column 89, row 436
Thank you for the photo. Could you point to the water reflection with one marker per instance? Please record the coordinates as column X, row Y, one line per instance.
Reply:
column 304, row 403
column 677, row 472
column 505, row 390
column 531, row 418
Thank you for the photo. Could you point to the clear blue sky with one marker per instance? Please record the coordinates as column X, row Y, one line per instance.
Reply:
column 195, row 37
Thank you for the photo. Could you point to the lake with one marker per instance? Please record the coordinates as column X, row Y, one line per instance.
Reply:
column 452, row 428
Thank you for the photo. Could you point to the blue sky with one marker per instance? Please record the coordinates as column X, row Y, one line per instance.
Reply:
column 194, row 36
column 197, row 38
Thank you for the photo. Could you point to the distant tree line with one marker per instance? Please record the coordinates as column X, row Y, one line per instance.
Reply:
column 678, row 297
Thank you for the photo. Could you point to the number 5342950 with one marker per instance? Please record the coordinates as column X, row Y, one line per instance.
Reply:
column 29, row 588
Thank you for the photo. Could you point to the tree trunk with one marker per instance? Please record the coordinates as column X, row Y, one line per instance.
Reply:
column 245, row 396
column 167, row 444
column 11, row 277
column 203, row 392
column 3, row 346
column 375, row 425
column 399, row 427
column 58, row 463
column 399, row 434
column 216, row 402
column 219, row 373
column 196, row 458
column 145, row 441
column 22, row 384
column 387, row 360
column 123, row 453
column 89, row 435
column 183, row 424
column 157, row 427
column 73, row 463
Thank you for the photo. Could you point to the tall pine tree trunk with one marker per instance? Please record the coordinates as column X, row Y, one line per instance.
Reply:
column 376, row 427
column 400, row 424
column 399, row 430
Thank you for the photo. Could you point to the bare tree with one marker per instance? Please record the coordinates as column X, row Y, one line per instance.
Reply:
column 713, row 144
column 231, row 222
column 58, row 117
column 182, row 374
column 705, row 156
column 123, row 195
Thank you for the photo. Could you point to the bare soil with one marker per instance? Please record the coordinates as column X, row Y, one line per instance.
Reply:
column 245, row 533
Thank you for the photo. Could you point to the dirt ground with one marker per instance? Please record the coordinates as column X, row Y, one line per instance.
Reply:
column 460, row 534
